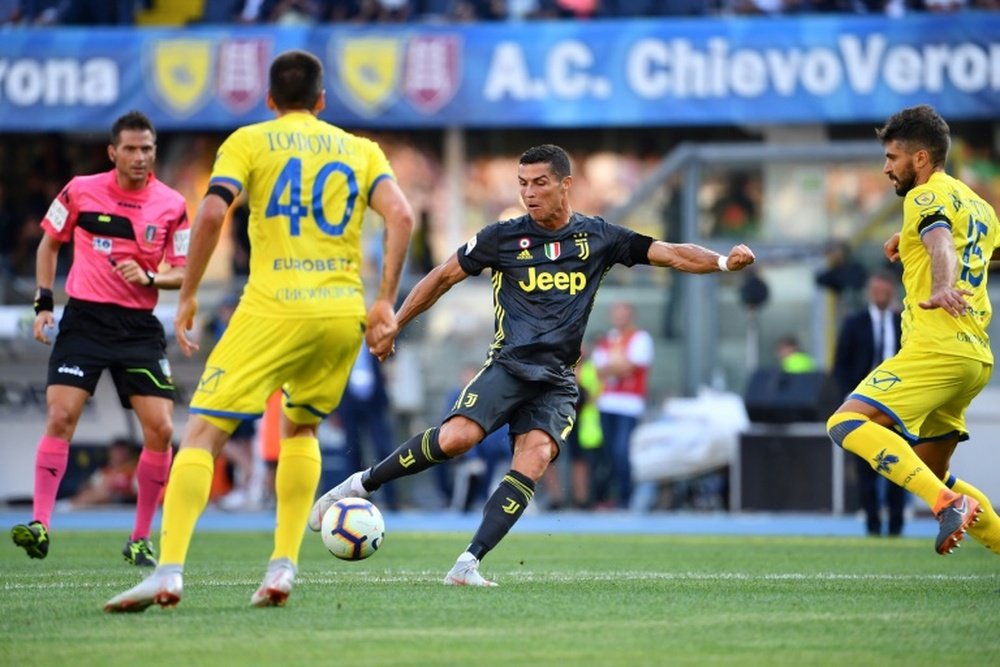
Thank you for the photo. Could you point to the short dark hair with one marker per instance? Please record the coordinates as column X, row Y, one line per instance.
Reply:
column 550, row 154
column 917, row 128
column 296, row 80
column 133, row 120
column 884, row 276
column 789, row 340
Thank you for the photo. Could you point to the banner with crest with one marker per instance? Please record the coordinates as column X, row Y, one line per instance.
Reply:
column 747, row 71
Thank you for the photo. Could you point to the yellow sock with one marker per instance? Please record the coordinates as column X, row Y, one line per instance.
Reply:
column 889, row 455
column 986, row 530
column 185, row 500
column 295, row 485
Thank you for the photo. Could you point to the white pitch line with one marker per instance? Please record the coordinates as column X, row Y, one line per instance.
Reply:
column 517, row 576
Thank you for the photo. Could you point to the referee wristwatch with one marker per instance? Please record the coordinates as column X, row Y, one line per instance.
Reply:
column 150, row 279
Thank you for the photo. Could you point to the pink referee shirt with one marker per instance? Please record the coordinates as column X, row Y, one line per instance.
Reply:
column 108, row 223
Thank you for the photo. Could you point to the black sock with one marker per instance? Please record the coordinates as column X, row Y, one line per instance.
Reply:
column 502, row 511
column 416, row 454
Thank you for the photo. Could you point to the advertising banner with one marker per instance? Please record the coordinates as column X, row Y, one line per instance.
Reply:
column 823, row 69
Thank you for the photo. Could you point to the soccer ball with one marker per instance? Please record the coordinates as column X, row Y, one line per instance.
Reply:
column 353, row 529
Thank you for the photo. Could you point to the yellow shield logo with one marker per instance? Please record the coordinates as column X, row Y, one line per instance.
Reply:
column 369, row 72
column 180, row 71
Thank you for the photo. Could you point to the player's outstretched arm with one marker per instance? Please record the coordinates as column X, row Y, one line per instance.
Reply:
column 389, row 202
column 431, row 287
column 205, row 233
column 692, row 258
column 424, row 295
column 940, row 246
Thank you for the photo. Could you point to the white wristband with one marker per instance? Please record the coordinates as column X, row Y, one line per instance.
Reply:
column 722, row 262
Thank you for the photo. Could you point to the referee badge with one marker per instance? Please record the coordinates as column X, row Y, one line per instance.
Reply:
column 150, row 233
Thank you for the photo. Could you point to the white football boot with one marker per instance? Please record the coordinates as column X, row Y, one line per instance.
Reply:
column 163, row 587
column 349, row 488
column 277, row 584
column 465, row 572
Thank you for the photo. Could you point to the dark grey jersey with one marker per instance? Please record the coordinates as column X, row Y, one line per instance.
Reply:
column 544, row 285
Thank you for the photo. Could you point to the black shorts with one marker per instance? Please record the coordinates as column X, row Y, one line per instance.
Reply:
column 130, row 343
column 495, row 397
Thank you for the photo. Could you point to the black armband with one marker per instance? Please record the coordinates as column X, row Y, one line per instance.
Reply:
column 639, row 248
column 931, row 219
column 222, row 191
column 43, row 300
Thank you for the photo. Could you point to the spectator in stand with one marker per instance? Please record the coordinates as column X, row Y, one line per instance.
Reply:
column 283, row 12
column 78, row 12
column 377, row 11
column 941, row 6
column 792, row 357
column 113, row 483
column 736, row 210
column 223, row 11
column 578, row 9
column 658, row 7
column 622, row 357
column 479, row 10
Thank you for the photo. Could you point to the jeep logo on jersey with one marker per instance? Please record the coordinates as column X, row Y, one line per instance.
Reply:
column 571, row 282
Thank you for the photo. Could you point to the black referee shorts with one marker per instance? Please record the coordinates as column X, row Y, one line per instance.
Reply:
column 130, row 343
column 495, row 397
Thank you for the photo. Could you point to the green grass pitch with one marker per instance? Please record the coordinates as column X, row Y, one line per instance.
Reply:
column 562, row 600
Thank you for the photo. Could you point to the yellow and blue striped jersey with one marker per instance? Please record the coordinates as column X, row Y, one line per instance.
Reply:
column 944, row 201
column 308, row 185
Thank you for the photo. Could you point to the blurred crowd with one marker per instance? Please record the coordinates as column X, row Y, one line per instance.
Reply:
column 305, row 12
column 730, row 200
column 39, row 167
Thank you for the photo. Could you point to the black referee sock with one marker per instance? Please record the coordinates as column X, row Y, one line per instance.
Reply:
column 502, row 511
column 416, row 454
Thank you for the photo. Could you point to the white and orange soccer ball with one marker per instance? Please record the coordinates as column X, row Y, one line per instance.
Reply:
column 353, row 529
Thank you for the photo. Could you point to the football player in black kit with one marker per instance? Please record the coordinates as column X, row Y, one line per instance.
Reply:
column 546, row 270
